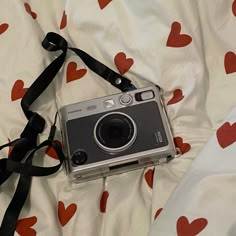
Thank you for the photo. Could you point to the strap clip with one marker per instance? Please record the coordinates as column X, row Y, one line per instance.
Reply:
column 34, row 126
column 36, row 122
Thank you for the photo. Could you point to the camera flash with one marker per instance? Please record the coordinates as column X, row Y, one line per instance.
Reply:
column 109, row 103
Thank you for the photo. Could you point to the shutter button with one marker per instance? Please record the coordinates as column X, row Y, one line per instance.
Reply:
column 126, row 99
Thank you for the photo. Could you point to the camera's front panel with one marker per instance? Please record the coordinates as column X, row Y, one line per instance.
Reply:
column 121, row 132
column 116, row 133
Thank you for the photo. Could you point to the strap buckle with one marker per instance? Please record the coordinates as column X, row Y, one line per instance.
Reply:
column 34, row 126
column 36, row 122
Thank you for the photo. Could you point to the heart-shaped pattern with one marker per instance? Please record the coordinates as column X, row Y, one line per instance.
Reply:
column 65, row 214
column 18, row 90
column 158, row 213
column 24, row 226
column 184, row 147
column 122, row 63
column 230, row 62
column 103, row 3
column 226, row 134
column 73, row 74
column 3, row 27
column 63, row 20
column 51, row 152
column 176, row 39
column 28, row 9
column 149, row 177
column 234, row 7
column 103, row 201
column 177, row 97
column 184, row 228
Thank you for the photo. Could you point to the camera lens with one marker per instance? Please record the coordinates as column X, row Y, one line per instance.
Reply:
column 115, row 132
column 79, row 158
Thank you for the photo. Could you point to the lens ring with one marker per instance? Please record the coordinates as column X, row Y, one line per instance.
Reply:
column 123, row 147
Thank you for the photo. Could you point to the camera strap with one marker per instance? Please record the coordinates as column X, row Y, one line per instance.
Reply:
column 23, row 149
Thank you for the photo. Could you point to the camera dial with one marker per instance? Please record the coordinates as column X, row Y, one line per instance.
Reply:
column 79, row 157
column 126, row 99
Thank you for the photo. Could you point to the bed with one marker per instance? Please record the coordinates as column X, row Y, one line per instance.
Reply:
column 185, row 47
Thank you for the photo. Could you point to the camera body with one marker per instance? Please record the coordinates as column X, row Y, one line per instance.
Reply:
column 115, row 134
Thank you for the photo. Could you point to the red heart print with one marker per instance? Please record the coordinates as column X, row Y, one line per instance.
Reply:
column 122, row 63
column 18, row 90
column 176, row 39
column 234, row 7
column 184, row 147
column 158, row 213
column 103, row 201
column 51, row 152
column 149, row 177
column 28, row 9
column 103, row 3
column 230, row 62
column 3, row 28
column 23, row 227
column 63, row 20
column 226, row 134
column 177, row 97
column 72, row 73
column 184, row 228
column 65, row 214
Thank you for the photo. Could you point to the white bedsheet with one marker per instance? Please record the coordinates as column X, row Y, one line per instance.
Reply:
column 185, row 47
column 202, row 203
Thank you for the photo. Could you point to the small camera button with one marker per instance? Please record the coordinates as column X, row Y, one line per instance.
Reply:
column 147, row 95
column 126, row 99
column 79, row 158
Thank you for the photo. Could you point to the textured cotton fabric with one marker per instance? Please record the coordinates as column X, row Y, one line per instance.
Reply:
column 186, row 47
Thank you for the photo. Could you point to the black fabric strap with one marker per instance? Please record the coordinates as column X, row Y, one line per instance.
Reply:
column 26, row 171
column 11, row 215
column 18, row 152
column 105, row 72
column 21, row 157
column 31, row 170
column 52, row 42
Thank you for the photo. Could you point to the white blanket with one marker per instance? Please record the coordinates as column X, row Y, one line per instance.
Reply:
column 185, row 47
column 202, row 203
